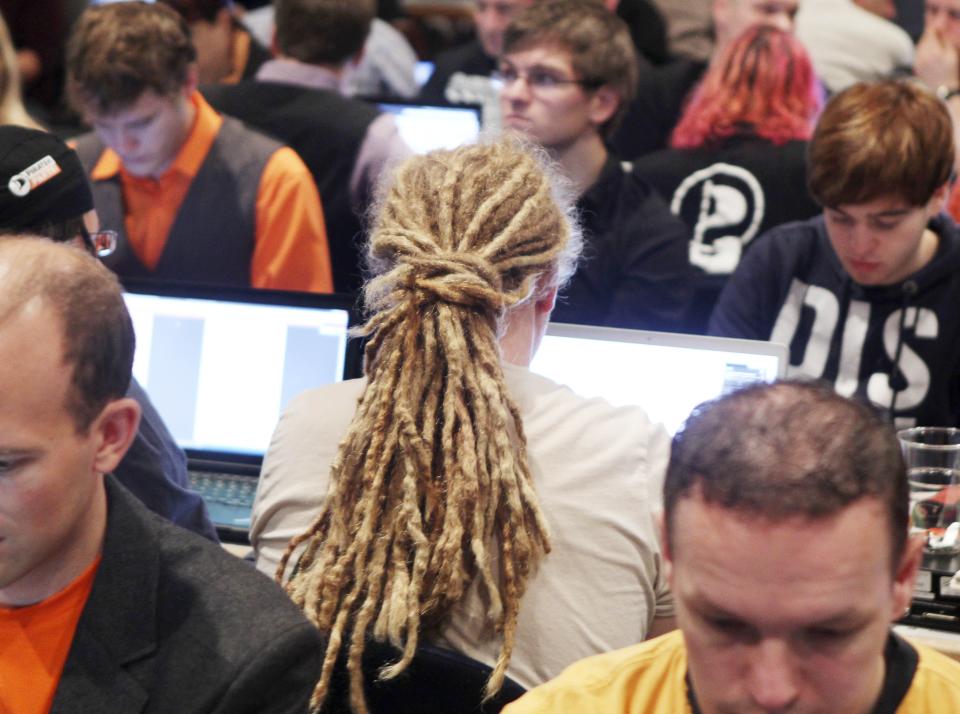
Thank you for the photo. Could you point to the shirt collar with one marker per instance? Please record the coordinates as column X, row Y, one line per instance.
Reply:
column 290, row 71
column 206, row 125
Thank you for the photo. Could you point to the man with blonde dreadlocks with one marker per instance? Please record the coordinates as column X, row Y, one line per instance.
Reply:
column 469, row 501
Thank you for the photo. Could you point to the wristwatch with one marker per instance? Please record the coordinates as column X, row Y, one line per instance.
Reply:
column 947, row 93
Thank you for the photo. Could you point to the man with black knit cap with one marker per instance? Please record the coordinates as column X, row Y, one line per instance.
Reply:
column 44, row 191
column 866, row 295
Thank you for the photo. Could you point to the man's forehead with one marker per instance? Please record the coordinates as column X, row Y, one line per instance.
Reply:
column 546, row 53
column 503, row 5
column 769, row 7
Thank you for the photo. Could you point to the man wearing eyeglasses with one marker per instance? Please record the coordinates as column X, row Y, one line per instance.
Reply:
column 568, row 70
column 44, row 191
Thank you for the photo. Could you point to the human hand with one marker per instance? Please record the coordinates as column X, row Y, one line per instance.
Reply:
column 936, row 62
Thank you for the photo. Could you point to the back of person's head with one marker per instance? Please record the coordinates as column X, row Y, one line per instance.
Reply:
column 792, row 449
column 198, row 10
column 43, row 186
column 98, row 339
column 326, row 32
column 885, row 139
column 431, row 487
column 120, row 50
column 12, row 110
column 601, row 50
column 762, row 84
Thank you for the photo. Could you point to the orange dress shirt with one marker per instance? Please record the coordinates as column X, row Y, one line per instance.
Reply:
column 34, row 643
column 290, row 243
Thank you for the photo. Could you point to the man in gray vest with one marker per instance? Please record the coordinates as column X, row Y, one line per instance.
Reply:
column 194, row 196
column 296, row 97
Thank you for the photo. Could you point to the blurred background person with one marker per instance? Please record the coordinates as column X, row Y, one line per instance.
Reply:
column 12, row 110
column 38, row 29
column 737, row 162
column 853, row 41
column 226, row 50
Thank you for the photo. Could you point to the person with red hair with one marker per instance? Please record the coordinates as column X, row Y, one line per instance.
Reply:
column 736, row 165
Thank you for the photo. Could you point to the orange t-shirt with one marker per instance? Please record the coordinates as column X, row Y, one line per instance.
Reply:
column 34, row 642
column 290, row 251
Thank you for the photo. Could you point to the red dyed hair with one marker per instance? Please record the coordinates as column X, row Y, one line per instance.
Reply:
column 763, row 84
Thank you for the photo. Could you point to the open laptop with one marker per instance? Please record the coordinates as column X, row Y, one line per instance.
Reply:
column 667, row 374
column 220, row 364
column 425, row 127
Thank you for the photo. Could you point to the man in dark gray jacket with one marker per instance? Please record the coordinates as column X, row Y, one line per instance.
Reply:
column 147, row 617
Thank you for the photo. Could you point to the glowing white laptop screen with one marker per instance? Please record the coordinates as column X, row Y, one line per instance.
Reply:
column 221, row 371
column 666, row 374
column 424, row 127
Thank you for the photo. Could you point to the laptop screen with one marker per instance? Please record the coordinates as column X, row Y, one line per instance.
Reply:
column 667, row 374
column 220, row 365
column 425, row 127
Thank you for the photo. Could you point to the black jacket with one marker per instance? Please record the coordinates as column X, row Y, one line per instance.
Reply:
column 791, row 288
column 634, row 271
column 467, row 59
column 176, row 624
column 727, row 195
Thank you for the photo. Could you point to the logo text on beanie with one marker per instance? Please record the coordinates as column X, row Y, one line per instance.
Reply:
column 33, row 176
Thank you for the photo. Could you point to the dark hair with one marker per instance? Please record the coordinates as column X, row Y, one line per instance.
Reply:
column 601, row 49
column 788, row 449
column 197, row 10
column 60, row 231
column 322, row 31
column 118, row 51
column 763, row 83
column 98, row 338
column 890, row 138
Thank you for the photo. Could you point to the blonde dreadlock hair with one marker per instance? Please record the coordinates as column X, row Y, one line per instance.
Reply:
column 431, row 483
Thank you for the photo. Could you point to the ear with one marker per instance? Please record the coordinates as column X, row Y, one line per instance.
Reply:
column 665, row 548
column 115, row 430
column 604, row 103
column 719, row 11
column 938, row 200
column 224, row 19
column 274, row 47
column 191, row 81
column 905, row 575
column 545, row 301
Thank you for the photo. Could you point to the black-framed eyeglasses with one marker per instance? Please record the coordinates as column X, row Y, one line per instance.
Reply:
column 539, row 78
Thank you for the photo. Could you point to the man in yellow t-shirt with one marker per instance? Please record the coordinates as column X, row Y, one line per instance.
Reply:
column 787, row 548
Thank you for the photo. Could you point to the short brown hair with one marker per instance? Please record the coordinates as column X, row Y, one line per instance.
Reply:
column 322, row 31
column 98, row 339
column 890, row 138
column 786, row 450
column 197, row 10
column 118, row 51
column 599, row 43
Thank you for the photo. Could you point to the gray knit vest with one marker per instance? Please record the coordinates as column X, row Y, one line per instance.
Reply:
column 212, row 237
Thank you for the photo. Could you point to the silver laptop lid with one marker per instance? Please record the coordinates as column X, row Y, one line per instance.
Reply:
column 667, row 374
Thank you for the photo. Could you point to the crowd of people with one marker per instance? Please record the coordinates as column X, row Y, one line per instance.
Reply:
column 639, row 170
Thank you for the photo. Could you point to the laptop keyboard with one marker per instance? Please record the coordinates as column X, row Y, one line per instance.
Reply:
column 229, row 498
column 228, row 489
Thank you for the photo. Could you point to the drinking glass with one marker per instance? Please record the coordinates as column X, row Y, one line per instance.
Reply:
column 932, row 455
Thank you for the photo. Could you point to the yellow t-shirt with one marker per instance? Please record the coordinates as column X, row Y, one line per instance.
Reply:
column 34, row 642
column 650, row 678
